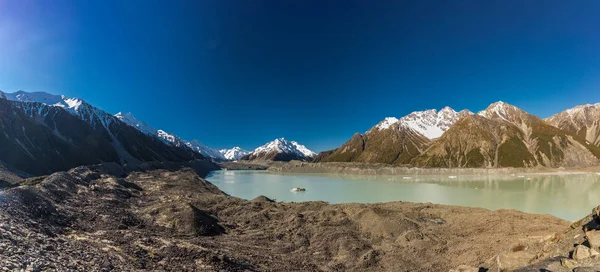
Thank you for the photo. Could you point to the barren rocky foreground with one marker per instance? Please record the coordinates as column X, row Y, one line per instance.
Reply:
column 102, row 218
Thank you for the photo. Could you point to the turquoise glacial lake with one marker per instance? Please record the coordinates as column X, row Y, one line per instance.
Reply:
column 569, row 196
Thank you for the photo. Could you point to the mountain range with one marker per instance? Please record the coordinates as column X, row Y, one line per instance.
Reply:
column 502, row 135
column 44, row 133
column 60, row 133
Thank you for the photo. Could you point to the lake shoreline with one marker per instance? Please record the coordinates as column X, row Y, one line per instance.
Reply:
column 398, row 170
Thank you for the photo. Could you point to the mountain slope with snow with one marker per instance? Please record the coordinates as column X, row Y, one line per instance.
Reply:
column 281, row 150
column 430, row 123
column 172, row 139
column 99, row 118
column 396, row 141
column 42, row 138
column 504, row 135
column 583, row 120
column 129, row 119
column 234, row 154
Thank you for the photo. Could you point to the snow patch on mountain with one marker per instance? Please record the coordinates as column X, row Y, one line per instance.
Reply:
column 72, row 105
column 234, row 154
column 205, row 150
column 583, row 120
column 429, row 123
column 499, row 109
column 129, row 119
column 172, row 139
column 75, row 106
column 282, row 145
column 387, row 122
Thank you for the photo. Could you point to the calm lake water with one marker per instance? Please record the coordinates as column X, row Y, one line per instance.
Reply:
column 570, row 197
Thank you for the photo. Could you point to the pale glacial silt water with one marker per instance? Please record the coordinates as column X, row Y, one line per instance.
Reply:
column 570, row 197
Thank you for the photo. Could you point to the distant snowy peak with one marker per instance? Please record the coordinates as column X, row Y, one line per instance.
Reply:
column 171, row 139
column 503, row 111
column 587, row 113
column 129, row 119
column 205, row 150
column 498, row 109
column 583, row 120
column 282, row 145
column 430, row 123
column 70, row 104
column 234, row 154
column 84, row 111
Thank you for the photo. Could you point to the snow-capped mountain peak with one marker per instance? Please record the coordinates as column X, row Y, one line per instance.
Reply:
column 281, row 145
column 70, row 104
column 583, row 120
column 386, row 123
column 234, row 154
column 129, row 119
column 204, row 150
column 502, row 110
column 430, row 123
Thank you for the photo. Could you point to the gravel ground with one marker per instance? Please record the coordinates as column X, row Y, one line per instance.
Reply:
column 102, row 219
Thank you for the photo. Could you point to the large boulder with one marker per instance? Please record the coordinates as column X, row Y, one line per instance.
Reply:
column 593, row 238
column 582, row 252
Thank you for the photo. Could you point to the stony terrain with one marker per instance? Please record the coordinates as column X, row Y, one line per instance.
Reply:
column 102, row 218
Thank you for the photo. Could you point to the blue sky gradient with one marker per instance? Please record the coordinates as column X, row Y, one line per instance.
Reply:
column 245, row 72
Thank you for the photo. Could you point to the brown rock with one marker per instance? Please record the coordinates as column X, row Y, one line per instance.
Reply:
column 465, row 268
column 586, row 269
column 593, row 237
column 582, row 252
column 568, row 263
column 596, row 214
column 513, row 260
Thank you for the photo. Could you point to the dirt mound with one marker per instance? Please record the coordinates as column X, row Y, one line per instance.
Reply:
column 184, row 218
column 263, row 199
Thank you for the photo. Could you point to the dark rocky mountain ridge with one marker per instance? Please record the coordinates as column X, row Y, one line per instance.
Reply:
column 40, row 139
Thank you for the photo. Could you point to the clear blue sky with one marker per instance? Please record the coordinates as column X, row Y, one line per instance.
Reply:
column 245, row 72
